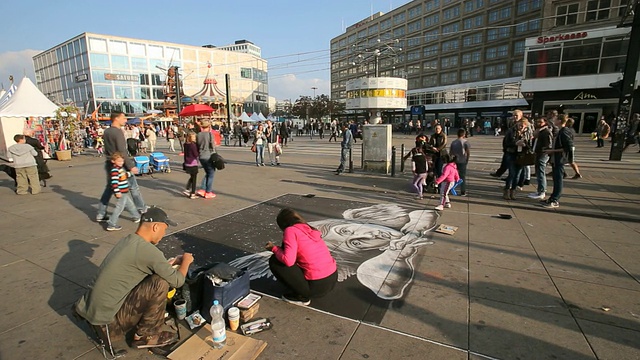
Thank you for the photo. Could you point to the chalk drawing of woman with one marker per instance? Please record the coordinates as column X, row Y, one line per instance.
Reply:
column 376, row 243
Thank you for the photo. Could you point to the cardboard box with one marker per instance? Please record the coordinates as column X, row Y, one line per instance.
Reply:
column 198, row 347
column 447, row 229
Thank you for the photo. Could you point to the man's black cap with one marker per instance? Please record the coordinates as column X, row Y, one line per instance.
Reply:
column 155, row 214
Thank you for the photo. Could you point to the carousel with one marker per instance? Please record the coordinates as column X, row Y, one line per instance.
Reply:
column 211, row 95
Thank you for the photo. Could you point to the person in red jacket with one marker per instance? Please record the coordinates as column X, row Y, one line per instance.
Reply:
column 447, row 181
column 303, row 263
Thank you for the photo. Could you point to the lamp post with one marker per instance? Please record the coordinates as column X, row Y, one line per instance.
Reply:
column 314, row 91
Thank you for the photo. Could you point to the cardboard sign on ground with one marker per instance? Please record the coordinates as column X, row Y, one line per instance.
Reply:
column 198, row 346
column 447, row 229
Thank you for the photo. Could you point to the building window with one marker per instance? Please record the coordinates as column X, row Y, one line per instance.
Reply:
column 450, row 45
column 451, row 13
column 99, row 45
column 119, row 62
column 492, row 53
column 451, row 29
column 449, row 61
column 102, row 92
column 516, row 68
column 414, row 41
column 399, row 18
column 118, row 47
column 431, row 50
column 431, row 36
column 99, row 61
column 429, row 80
column 431, row 20
column 502, row 50
column 518, row 47
column 567, row 14
column 490, row 71
column 431, row 5
column 245, row 73
column 398, row 32
column 598, row 10
column 413, row 55
column 449, row 78
column 373, row 29
column 415, row 11
column 430, row 65
column 413, row 69
column 501, row 69
column 385, row 24
column 414, row 26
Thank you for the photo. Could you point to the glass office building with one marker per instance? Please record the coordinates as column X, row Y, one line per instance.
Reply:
column 125, row 74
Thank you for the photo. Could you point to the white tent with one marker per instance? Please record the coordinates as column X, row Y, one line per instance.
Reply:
column 2, row 92
column 255, row 117
column 261, row 117
column 25, row 102
column 245, row 118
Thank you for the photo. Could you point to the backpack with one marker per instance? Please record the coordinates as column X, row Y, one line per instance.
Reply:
column 217, row 161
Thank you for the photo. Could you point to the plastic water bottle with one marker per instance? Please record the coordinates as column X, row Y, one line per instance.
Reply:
column 218, row 327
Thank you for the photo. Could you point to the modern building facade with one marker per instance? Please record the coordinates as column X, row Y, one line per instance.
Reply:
column 580, row 53
column 124, row 74
column 461, row 58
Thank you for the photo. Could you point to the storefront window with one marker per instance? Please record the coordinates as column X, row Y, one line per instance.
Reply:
column 543, row 56
column 581, row 51
column 542, row 71
column 102, row 92
column 123, row 92
column 120, row 62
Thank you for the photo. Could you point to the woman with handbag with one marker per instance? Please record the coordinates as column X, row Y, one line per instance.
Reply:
column 517, row 145
column 206, row 147
column 259, row 140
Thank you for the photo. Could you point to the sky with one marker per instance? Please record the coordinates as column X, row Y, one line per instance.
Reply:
column 294, row 35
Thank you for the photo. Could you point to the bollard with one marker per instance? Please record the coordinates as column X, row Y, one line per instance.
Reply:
column 393, row 161
column 362, row 156
column 402, row 157
column 350, row 160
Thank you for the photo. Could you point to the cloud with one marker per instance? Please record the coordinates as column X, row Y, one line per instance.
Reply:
column 292, row 87
column 17, row 63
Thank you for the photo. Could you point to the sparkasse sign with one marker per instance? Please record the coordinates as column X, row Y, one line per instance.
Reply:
column 562, row 37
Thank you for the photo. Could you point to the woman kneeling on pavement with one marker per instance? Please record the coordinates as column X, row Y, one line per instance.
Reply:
column 303, row 263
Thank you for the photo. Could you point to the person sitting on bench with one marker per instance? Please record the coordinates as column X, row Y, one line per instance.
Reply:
column 130, row 289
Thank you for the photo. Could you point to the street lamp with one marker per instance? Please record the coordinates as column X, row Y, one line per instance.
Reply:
column 314, row 91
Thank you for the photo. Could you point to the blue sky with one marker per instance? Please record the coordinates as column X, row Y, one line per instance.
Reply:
column 282, row 28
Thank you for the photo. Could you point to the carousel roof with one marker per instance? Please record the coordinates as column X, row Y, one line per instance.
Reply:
column 210, row 91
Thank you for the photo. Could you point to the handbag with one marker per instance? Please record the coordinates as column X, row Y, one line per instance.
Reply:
column 526, row 159
column 253, row 148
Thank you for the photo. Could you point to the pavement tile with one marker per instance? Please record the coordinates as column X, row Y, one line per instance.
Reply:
column 626, row 256
column 611, row 342
column 442, row 274
column 8, row 258
column 33, row 248
column 366, row 341
column 525, row 260
column 37, row 290
column 447, row 247
column 588, row 269
column 506, row 331
column 517, row 288
column 48, row 336
column 501, row 237
column 587, row 301
column 431, row 313
column 575, row 246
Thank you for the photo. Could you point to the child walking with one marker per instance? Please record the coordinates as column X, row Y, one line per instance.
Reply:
column 24, row 162
column 100, row 146
column 446, row 181
column 191, row 156
column 120, row 186
column 419, row 166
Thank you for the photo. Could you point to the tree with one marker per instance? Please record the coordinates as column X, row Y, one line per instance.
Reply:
column 317, row 107
column 265, row 110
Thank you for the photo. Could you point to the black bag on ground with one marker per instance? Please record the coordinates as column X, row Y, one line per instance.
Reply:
column 526, row 159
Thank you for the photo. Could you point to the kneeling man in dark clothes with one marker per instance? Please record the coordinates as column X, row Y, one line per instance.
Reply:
column 130, row 289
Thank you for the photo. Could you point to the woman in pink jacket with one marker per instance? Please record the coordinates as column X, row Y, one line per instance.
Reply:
column 446, row 181
column 303, row 263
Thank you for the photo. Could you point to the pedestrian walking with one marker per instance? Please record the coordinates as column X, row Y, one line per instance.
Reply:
column 206, row 147
column 571, row 156
column 171, row 138
column 447, row 181
column 602, row 132
column 438, row 148
column 120, row 186
column 190, row 164
column 461, row 149
column 562, row 145
column 516, row 144
column 419, row 167
column 543, row 141
column 272, row 144
column 345, row 147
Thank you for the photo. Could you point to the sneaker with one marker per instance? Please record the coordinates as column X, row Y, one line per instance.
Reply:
column 158, row 340
column 201, row 193
column 551, row 205
column 114, row 228
column 494, row 174
column 292, row 299
column 187, row 192
column 144, row 209
column 258, row 165
column 519, row 188
column 209, row 195
column 193, row 196
column 278, row 164
column 544, row 202
column 464, row 193
column 102, row 220
column 447, row 205
column 273, row 164
column 537, row 196
column 137, row 220
column 577, row 176
column 418, row 198
column 262, row 164
column 439, row 208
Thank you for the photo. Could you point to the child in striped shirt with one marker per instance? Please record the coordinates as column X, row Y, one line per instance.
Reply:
column 120, row 186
